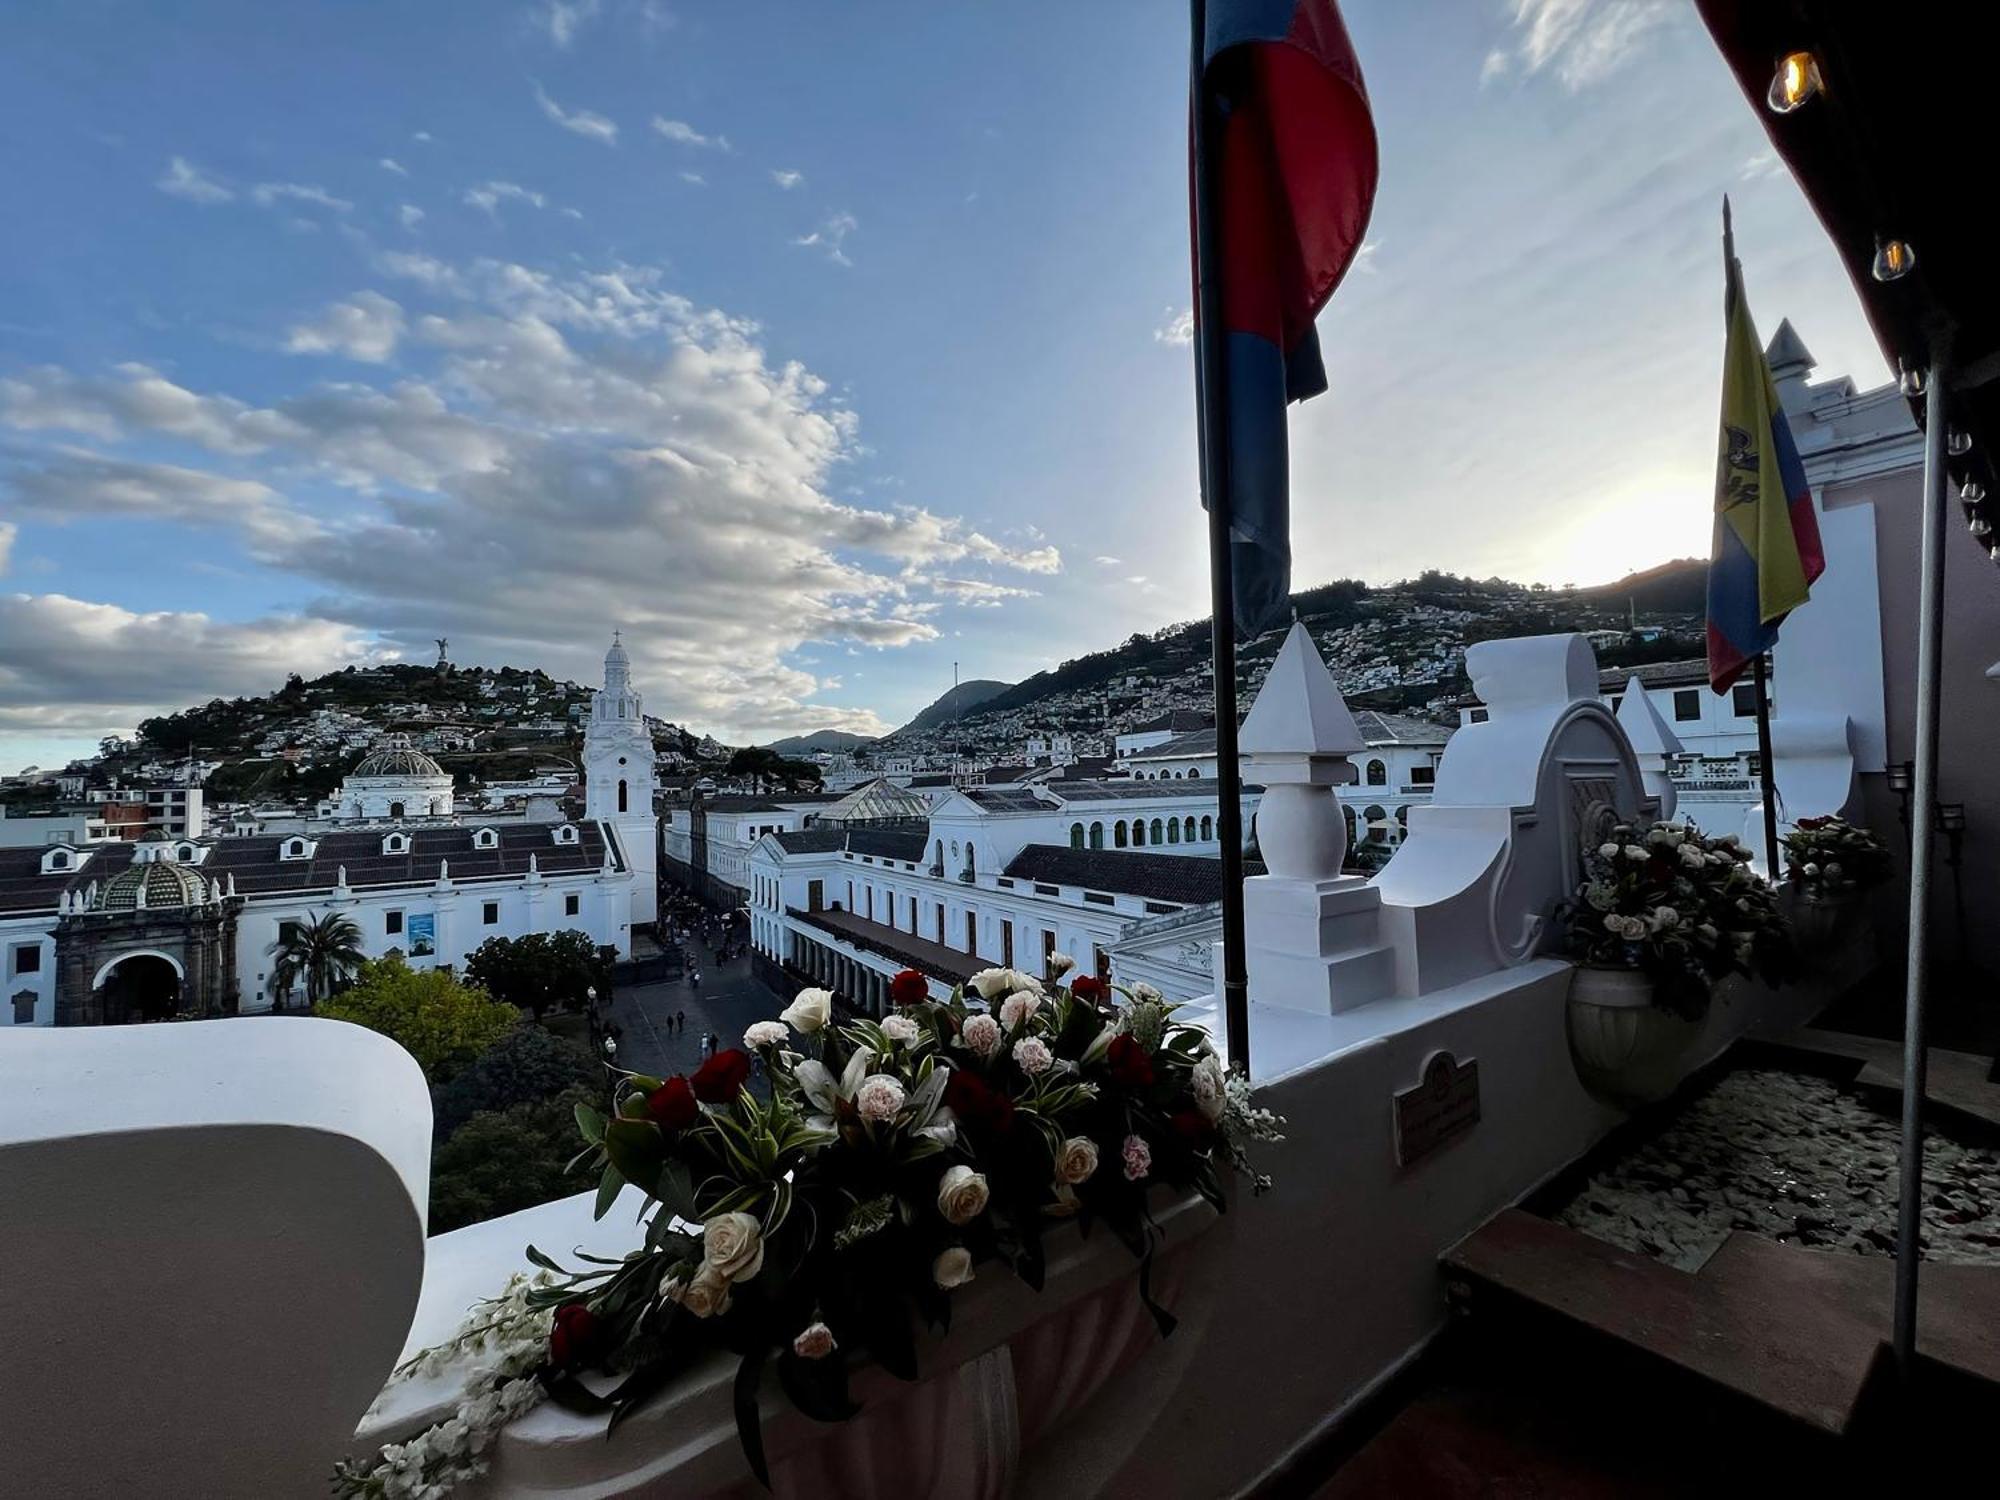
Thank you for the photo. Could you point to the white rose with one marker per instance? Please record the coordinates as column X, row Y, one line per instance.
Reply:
column 899, row 1029
column 1206, row 1081
column 879, row 1097
column 1635, row 853
column 1032, row 1056
column 1060, row 964
column 982, row 1034
column 952, row 1268
column 809, row 1010
column 734, row 1245
column 1018, row 1006
column 766, row 1034
column 1607, row 851
column 1664, row 919
column 1077, row 1161
column 961, row 1195
column 988, row 983
column 706, row 1295
column 815, row 1341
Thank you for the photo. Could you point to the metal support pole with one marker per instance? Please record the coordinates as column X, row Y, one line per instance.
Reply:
column 1210, row 406
column 1923, row 833
column 1768, row 770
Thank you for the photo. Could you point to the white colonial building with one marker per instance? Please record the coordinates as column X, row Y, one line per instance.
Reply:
column 394, row 780
column 620, row 777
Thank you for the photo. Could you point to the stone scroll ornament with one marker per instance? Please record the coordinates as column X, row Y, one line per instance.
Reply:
column 809, row 1225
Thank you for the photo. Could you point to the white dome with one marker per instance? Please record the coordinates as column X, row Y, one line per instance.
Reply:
column 394, row 755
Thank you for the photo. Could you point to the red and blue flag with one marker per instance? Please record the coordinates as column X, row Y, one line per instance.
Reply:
column 1292, row 163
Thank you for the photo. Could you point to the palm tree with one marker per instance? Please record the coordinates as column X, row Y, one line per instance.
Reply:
column 323, row 951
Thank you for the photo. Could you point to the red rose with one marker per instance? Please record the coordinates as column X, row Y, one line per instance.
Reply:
column 672, row 1105
column 1192, row 1126
column 1130, row 1063
column 575, row 1336
column 722, row 1077
column 1088, row 987
column 978, row 1105
column 909, row 988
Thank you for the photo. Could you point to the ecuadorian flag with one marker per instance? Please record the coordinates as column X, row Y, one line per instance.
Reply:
column 1766, row 552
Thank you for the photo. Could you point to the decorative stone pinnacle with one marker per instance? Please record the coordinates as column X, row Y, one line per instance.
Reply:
column 1643, row 726
column 1299, row 729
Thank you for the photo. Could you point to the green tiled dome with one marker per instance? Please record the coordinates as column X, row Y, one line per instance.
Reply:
column 164, row 883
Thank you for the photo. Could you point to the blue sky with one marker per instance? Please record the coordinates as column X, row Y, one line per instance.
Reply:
column 817, row 346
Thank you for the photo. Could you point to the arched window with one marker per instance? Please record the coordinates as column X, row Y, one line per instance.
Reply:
column 1376, row 817
column 1118, row 834
column 939, row 859
column 1138, row 833
column 1378, row 774
column 59, row 861
column 1207, row 829
column 969, row 870
column 1159, row 832
column 1194, row 773
column 1173, row 830
column 623, row 796
column 1187, row 830
column 1076, row 835
column 395, row 809
column 1097, row 835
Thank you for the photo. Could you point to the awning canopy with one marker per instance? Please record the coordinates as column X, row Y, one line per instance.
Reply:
column 1896, row 144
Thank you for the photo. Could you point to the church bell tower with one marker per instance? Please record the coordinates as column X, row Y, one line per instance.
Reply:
column 619, row 777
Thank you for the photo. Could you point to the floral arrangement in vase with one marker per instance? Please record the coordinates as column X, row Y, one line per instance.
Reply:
column 1684, row 909
column 1830, row 857
column 806, row 1224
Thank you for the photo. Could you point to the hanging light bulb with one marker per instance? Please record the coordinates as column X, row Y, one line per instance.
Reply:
column 1911, row 381
column 1972, row 492
column 1957, row 443
column 1796, row 81
column 1894, row 259
column 1981, row 527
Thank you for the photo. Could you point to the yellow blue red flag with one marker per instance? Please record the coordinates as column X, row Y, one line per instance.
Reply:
column 1766, row 550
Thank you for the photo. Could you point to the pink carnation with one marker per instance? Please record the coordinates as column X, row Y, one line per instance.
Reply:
column 1138, row 1158
column 982, row 1034
column 1032, row 1056
column 815, row 1341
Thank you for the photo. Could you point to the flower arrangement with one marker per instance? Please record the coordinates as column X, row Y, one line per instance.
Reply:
column 1830, row 856
column 890, row 1161
column 1685, row 909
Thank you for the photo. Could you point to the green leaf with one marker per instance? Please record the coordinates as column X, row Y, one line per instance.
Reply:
column 591, row 1122
column 608, row 1188
column 636, row 1149
column 545, row 1262
column 675, row 1189
column 865, row 1219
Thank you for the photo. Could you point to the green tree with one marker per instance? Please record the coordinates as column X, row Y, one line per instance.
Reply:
column 526, row 1065
column 324, row 952
column 540, row 970
column 502, row 1161
column 443, row 1024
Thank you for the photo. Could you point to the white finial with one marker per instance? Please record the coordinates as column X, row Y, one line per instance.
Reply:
column 1649, row 733
column 1299, row 736
column 444, row 872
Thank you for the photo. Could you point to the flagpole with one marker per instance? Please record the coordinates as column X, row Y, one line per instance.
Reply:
column 1210, row 375
column 1767, row 768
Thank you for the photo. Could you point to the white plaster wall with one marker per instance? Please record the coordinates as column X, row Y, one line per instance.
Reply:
column 17, row 933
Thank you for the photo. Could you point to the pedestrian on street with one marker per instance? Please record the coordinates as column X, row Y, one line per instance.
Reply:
column 694, row 979
column 680, row 1020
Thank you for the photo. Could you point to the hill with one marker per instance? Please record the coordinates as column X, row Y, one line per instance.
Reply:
column 957, row 703
column 831, row 740
column 1679, row 587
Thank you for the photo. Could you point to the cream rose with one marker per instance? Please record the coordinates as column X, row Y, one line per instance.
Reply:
column 988, row 983
column 1209, row 1095
column 952, row 1268
column 706, row 1295
column 733, row 1245
column 809, row 1010
column 1077, row 1161
column 961, row 1195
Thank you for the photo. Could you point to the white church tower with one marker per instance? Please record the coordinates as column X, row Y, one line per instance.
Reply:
column 618, row 777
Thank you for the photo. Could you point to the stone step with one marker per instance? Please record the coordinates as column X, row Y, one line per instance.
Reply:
column 1794, row 1330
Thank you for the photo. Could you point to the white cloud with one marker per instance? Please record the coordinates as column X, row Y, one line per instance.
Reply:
column 694, row 177
column 1108, row 562
column 562, row 19
column 8, row 531
column 82, row 668
column 268, row 193
column 1364, row 258
column 786, row 178
column 67, row 483
column 1495, row 66
column 489, row 196
column 421, row 135
column 390, row 164
column 365, row 327
column 1765, row 163
column 831, row 236
column 183, row 179
column 683, row 134
column 1178, row 328
column 1583, row 41
column 410, row 216
column 688, row 474
column 581, row 122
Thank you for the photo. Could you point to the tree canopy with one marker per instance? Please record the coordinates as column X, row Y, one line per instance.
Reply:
column 443, row 1024
column 540, row 970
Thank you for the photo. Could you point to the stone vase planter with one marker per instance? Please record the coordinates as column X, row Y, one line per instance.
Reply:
column 1626, row 1049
